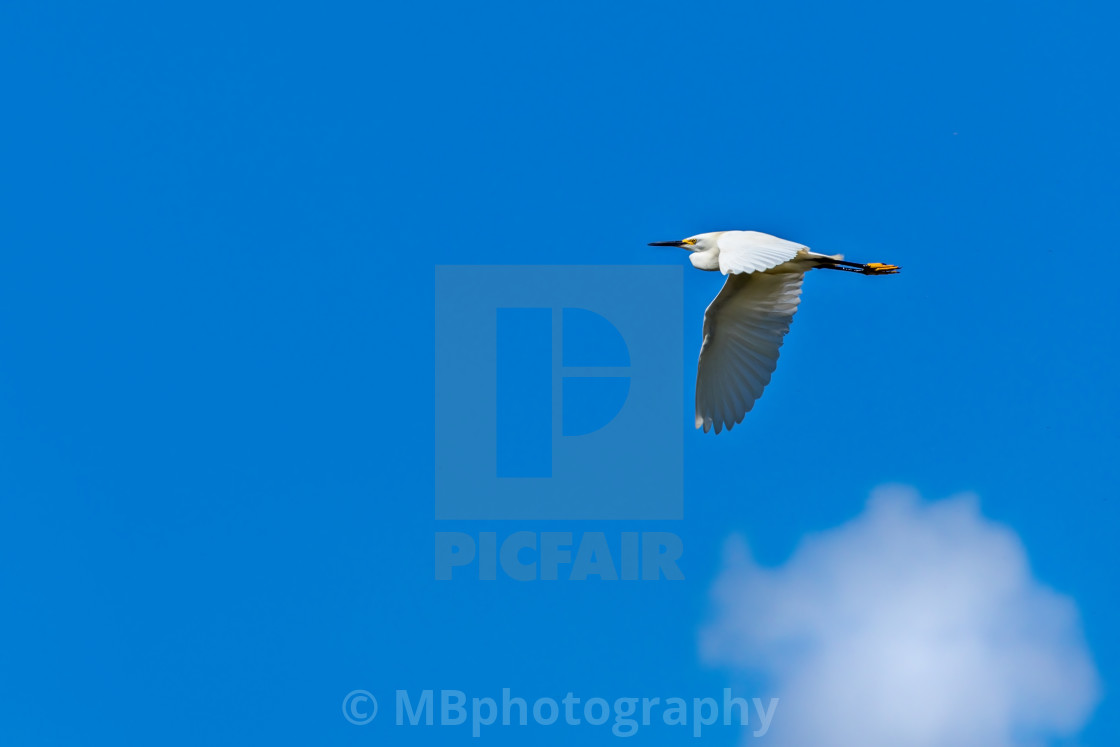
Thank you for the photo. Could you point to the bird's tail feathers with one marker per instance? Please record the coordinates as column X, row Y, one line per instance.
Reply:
column 825, row 258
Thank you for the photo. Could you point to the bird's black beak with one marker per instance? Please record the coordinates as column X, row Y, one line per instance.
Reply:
column 678, row 244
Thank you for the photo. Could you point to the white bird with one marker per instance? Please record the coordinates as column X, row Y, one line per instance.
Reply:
column 746, row 322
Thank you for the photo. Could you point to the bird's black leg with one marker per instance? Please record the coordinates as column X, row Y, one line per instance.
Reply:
column 875, row 268
column 833, row 265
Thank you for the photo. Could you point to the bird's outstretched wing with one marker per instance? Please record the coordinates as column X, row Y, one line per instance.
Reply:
column 743, row 329
column 751, row 251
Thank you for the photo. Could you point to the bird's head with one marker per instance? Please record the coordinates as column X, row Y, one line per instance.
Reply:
column 698, row 243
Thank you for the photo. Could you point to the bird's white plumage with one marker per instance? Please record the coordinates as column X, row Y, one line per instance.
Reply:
column 743, row 329
column 751, row 251
column 746, row 323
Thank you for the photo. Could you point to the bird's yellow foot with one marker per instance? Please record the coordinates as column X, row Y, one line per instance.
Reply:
column 878, row 268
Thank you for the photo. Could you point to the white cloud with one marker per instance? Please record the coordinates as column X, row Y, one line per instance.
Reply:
column 913, row 624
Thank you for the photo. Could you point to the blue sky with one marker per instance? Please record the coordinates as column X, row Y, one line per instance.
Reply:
column 220, row 228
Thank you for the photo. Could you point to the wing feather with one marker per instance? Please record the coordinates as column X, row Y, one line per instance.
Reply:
column 751, row 251
column 743, row 329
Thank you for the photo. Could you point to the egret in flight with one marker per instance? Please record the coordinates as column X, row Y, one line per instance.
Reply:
column 745, row 323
